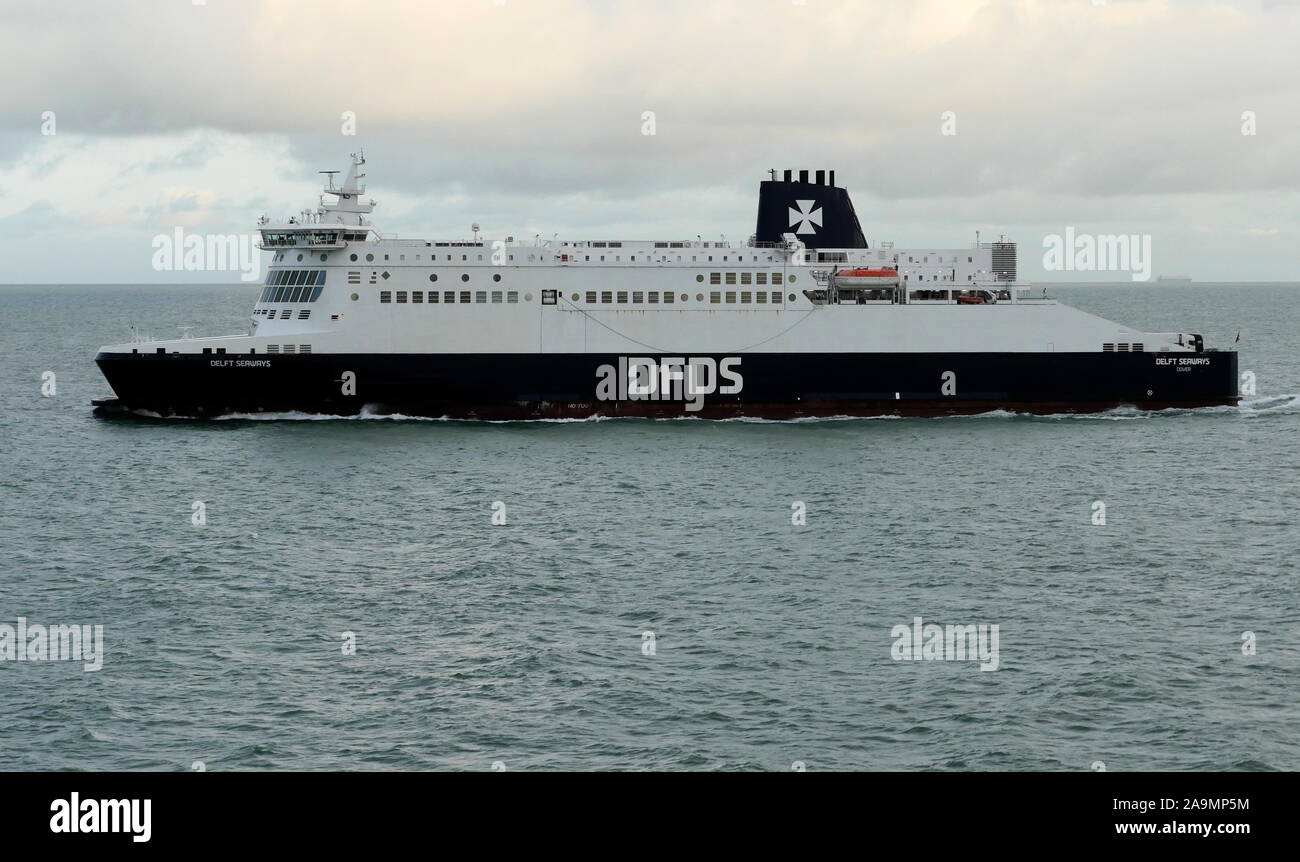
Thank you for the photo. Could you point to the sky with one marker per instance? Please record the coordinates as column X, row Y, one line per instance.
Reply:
column 1177, row 120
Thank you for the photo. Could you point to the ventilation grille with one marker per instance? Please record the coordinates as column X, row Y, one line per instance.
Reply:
column 1004, row 261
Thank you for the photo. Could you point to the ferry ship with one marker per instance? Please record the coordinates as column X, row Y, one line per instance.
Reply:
column 806, row 318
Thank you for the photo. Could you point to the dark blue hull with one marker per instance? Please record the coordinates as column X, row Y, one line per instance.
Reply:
column 774, row 385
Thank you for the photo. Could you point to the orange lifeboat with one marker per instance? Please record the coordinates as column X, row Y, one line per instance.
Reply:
column 866, row 277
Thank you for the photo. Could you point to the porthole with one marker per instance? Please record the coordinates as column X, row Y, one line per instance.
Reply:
column 355, row 297
column 792, row 279
column 353, row 256
column 496, row 276
column 685, row 297
column 370, row 257
column 575, row 297
column 322, row 258
column 465, row 277
column 700, row 279
column 699, row 297
column 299, row 257
column 528, row 297
column 433, row 276
column 792, row 297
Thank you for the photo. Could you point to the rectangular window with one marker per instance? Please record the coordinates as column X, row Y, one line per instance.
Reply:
column 761, row 278
column 731, row 297
column 417, row 296
column 591, row 297
column 512, row 296
column 715, row 297
column 480, row 296
column 304, row 314
column 638, row 296
column 731, row 278
column 606, row 296
column 776, row 298
column 401, row 296
column 433, row 296
column 760, row 297
column 496, row 296
column 622, row 296
column 744, row 296
column 449, row 296
column 744, row 277
column 464, row 296
column 715, row 278
column 653, row 297
column 668, row 297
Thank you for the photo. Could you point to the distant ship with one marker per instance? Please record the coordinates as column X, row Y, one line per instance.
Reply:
column 804, row 319
column 1174, row 279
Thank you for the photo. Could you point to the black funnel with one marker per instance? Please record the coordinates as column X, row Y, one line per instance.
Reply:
column 821, row 216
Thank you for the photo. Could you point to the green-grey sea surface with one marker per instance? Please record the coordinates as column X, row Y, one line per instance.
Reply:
column 1165, row 639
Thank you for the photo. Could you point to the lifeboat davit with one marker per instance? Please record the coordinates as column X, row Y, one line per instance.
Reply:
column 866, row 277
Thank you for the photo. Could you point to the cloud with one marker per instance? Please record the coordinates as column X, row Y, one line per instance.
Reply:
column 529, row 115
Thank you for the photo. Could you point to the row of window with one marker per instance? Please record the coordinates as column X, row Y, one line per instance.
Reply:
column 759, row 278
column 448, row 296
column 291, row 293
column 285, row 313
column 295, row 276
column 288, row 348
column 652, row 297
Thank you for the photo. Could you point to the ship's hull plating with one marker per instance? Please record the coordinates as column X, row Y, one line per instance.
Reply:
column 537, row 386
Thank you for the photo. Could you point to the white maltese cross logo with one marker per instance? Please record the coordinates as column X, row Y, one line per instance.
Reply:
column 806, row 217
